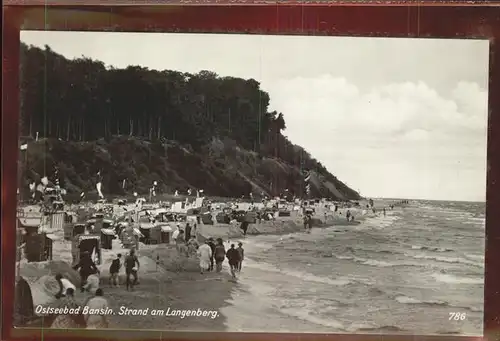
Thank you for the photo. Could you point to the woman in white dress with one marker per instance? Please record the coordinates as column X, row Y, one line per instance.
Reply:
column 205, row 254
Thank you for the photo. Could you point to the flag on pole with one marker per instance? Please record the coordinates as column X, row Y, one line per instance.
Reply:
column 24, row 146
column 307, row 185
column 98, row 185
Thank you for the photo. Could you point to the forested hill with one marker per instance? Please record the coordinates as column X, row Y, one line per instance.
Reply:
column 182, row 130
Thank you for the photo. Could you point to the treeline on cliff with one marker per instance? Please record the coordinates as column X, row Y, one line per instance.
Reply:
column 183, row 130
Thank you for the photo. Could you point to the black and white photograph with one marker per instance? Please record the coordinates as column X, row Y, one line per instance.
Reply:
column 251, row 183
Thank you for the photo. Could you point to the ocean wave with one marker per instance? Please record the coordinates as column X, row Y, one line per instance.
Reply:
column 431, row 248
column 374, row 262
column 457, row 260
column 451, row 279
column 474, row 257
column 298, row 274
column 376, row 329
column 303, row 314
column 436, row 303
column 412, row 300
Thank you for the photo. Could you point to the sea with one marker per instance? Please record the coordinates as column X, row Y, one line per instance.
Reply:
column 409, row 272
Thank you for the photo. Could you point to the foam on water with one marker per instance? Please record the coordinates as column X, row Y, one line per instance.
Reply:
column 474, row 257
column 451, row 279
column 298, row 274
column 459, row 260
column 431, row 248
column 327, row 280
column 412, row 300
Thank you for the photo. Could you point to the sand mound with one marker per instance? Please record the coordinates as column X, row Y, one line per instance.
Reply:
column 41, row 277
column 36, row 270
column 43, row 290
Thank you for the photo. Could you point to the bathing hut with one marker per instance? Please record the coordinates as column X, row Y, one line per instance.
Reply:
column 207, row 219
column 146, row 228
column 73, row 230
column 165, row 233
column 155, row 234
column 130, row 237
column 30, row 225
column 107, row 236
column 38, row 247
column 87, row 243
column 251, row 217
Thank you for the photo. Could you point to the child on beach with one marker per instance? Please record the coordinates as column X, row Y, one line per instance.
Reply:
column 241, row 252
column 64, row 285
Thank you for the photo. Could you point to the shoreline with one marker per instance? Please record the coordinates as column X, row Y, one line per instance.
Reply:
column 175, row 282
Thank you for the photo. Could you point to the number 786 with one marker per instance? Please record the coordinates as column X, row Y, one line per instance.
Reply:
column 457, row 316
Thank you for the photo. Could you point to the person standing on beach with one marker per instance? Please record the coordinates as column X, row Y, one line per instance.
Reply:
column 241, row 252
column 384, row 212
column 97, row 303
column 348, row 215
column 175, row 234
column 187, row 233
column 131, row 268
column 205, row 254
column 192, row 246
column 220, row 254
column 114, row 269
column 87, row 267
column 244, row 227
column 180, row 243
column 233, row 256
column 212, row 247
column 306, row 221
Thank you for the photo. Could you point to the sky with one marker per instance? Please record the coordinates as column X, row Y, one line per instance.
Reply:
column 391, row 118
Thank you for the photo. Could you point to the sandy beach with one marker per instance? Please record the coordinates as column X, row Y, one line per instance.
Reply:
column 167, row 281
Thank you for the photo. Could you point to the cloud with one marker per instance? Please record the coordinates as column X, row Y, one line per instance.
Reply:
column 393, row 140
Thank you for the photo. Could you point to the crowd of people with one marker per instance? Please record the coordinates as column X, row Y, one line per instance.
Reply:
column 211, row 255
column 214, row 253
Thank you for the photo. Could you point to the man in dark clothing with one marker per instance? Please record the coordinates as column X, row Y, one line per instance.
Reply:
column 233, row 257
column 87, row 267
column 114, row 269
column 131, row 268
column 220, row 254
column 187, row 232
column 212, row 247
column 244, row 227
